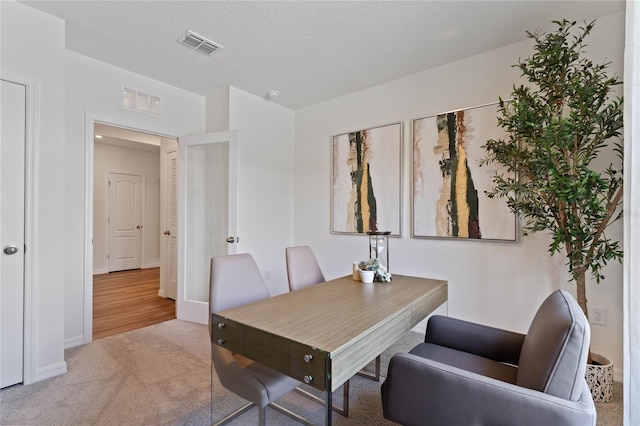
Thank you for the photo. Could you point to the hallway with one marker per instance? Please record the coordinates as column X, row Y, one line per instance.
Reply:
column 128, row 300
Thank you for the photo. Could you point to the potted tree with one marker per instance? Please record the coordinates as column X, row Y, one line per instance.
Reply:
column 556, row 126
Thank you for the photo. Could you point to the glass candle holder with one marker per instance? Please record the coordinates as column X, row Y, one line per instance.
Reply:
column 379, row 247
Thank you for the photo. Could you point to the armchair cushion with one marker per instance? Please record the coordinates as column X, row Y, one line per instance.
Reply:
column 467, row 361
column 489, row 342
column 554, row 353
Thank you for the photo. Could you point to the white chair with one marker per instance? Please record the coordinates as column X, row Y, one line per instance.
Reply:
column 302, row 267
column 235, row 280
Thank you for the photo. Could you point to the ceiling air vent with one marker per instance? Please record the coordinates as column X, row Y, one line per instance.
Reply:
column 198, row 43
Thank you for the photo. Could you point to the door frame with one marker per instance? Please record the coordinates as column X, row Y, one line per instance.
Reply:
column 30, row 342
column 91, row 119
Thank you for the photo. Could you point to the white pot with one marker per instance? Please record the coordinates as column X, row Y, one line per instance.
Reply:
column 367, row 276
column 600, row 378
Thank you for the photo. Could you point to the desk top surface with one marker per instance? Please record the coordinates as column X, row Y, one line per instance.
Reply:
column 330, row 315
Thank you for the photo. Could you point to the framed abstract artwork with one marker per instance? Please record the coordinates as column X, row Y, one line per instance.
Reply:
column 366, row 180
column 448, row 191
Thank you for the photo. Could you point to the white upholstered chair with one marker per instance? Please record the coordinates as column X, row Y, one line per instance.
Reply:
column 235, row 280
column 302, row 267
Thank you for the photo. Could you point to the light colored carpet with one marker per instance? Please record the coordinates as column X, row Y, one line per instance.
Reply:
column 161, row 375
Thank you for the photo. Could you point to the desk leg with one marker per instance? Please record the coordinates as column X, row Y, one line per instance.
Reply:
column 328, row 406
column 328, row 413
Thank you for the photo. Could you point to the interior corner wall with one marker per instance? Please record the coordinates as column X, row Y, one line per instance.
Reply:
column 217, row 117
column 93, row 87
column 122, row 159
column 265, row 182
column 499, row 284
column 32, row 52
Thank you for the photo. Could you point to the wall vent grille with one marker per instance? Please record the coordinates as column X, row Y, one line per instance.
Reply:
column 199, row 43
column 135, row 100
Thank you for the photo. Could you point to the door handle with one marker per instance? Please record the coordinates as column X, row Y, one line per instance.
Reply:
column 231, row 240
column 10, row 249
column 139, row 227
column 167, row 232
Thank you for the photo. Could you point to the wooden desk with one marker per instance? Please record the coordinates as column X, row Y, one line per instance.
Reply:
column 324, row 334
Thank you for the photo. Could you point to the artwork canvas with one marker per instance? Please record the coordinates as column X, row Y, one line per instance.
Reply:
column 366, row 181
column 449, row 185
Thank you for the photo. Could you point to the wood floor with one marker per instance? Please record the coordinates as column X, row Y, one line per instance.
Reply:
column 127, row 300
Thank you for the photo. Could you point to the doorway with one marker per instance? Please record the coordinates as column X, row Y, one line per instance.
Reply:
column 128, row 231
column 128, row 300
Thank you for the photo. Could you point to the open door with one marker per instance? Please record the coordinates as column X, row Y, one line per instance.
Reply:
column 207, row 175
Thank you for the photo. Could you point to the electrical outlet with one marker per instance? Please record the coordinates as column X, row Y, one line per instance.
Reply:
column 599, row 316
column 266, row 274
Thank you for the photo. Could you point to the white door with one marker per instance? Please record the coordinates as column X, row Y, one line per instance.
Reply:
column 125, row 221
column 207, row 174
column 169, row 219
column 12, row 156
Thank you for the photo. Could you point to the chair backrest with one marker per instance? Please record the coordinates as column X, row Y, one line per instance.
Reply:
column 302, row 267
column 235, row 280
column 554, row 353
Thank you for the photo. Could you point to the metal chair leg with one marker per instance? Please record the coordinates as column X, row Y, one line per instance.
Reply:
column 226, row 419
column 289, row 413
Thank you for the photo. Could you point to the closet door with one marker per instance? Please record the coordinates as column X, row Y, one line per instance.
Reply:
column 12, row 168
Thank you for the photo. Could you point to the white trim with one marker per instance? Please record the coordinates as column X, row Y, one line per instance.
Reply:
column 100, row 271
column 618, row 375
column 51, row 371
column 631, row 235
column 88, row 229
column 151, row 265
column 90, row 120
column 73, row 342
column 30, row 230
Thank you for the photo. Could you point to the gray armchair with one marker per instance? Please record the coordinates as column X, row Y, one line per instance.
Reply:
column 469, row 374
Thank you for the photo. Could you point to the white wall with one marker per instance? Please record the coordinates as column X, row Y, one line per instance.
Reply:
column 499, row 284
column 120, row 159
column 265, row 182
column 217, row 118
column 33, row 52
column 93, row 87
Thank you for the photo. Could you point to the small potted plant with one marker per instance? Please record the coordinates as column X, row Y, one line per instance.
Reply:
column 372, row 270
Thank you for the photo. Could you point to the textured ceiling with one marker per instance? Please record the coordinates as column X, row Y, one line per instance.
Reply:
column 310, row 51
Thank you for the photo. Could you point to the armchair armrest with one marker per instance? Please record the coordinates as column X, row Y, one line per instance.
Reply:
column 419, row 391
column 488, row 342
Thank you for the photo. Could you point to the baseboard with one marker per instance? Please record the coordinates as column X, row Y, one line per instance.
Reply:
column 161, row 293
column 50, row 371
column 618, row 375
column 151, row 265
column 73, row 342
column 100, row 271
